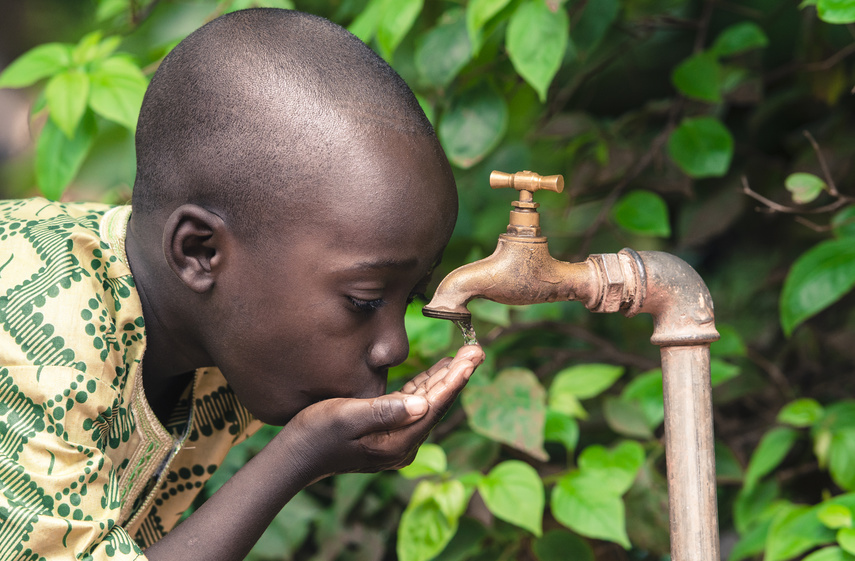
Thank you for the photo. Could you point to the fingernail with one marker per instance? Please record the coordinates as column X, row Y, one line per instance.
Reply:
column 416, row 405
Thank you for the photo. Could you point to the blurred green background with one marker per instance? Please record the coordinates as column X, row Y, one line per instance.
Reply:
column 721, row 131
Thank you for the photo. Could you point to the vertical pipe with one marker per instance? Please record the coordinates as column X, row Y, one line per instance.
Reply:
column 683, row 327
column 690, row 453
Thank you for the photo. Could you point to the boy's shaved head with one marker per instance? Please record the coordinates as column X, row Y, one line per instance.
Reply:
column 255, row 109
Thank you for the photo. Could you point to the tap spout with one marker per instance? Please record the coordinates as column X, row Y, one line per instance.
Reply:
column 520, row 271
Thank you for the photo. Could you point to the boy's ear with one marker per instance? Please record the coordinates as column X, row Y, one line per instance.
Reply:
column 194, row 242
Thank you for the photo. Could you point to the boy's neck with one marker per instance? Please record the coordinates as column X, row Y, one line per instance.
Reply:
column 167, row 366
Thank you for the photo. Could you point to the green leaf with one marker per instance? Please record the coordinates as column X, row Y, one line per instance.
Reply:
column 106, row 47
column 108, row 9
column 699, row 77
column 584, row 381
column 843, row 223
column 117, row 91
column 595, row 21
column 626, row 417
column 290, row 528
column 822, row 447
column 348, row 490
column 58, row 158
column 839, row 415
column 87, row 49
column 832, row 553
column 558, row 545
column 739, row 38
column 721, row 372
column 818, row 278
column 397, row 20
column 567, row 404
column 537, row 56
column 513, row 491
column 773, row 447
column 846, row 539
column 794, row 532
column 835, row 516
column 468, row 451
column 37, row 63
column 805, row 187
column 451, row 40
column 730, row 344
column 802, row 412
column 702, row 147
column 751, row 542
column 841, row 463
column 493, row 312
column 755, row 505
column 365, row 25
column 643, row 213
column 427, row 336
column 511, row 410
column 429, row 460
column 646, row 390
column 430, row 520
column 578, row 504
column 478, row 13
column 836, row 11
column 726, row 464
column 473, row 126
column 616, row 468
column 561, row 428
column 66, row 95
column 466, row 543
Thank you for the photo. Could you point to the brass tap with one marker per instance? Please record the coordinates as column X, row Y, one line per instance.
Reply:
column 521, row 270
column 525, row 220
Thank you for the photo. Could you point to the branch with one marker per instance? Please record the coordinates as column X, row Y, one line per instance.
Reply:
column 779, row 381
column 819, row 66
column 832, row 188
column 772, row 206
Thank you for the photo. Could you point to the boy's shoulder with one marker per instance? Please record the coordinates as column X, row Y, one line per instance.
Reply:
column 67, row 297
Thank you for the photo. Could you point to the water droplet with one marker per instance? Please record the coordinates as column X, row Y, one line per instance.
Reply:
column 468, row 331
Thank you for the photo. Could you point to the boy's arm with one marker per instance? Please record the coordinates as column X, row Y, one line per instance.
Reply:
column 333, row 436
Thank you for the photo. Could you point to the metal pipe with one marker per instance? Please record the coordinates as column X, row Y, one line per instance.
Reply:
column 660, row 284
column 689, row 452
column 683, row 327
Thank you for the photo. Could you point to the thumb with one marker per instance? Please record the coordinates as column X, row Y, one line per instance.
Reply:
column 394, row 411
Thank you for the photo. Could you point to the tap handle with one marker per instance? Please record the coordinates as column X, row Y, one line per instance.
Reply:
column 526, row 181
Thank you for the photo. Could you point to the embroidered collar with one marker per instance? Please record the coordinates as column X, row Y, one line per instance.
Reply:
column 114, row 230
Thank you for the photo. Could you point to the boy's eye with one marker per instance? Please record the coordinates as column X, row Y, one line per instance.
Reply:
column 366, row 305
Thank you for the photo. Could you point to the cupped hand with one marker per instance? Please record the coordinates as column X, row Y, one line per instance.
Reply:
column 365, row 435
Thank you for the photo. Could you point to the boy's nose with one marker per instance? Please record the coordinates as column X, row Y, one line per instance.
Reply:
column 391, row 347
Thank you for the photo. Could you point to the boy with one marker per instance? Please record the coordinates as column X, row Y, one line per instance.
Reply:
column 290, row 199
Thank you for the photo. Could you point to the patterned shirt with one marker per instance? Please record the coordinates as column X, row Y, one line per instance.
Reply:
column 86, row 469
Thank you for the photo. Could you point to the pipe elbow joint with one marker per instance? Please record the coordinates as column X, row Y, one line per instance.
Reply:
column 678, row 299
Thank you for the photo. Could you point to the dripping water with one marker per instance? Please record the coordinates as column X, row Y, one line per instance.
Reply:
column 468, row 331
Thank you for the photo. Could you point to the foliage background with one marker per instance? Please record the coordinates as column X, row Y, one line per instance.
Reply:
column 720, row 131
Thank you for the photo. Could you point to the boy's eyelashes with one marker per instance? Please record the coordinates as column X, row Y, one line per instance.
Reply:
column 366, row 305
column 363, row 305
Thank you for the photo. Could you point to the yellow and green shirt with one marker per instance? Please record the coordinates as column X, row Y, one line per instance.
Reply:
column 86, row 469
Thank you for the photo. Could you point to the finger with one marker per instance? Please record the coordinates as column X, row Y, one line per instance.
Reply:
column 472, row 353
column 443, row 393
column 412, row 385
